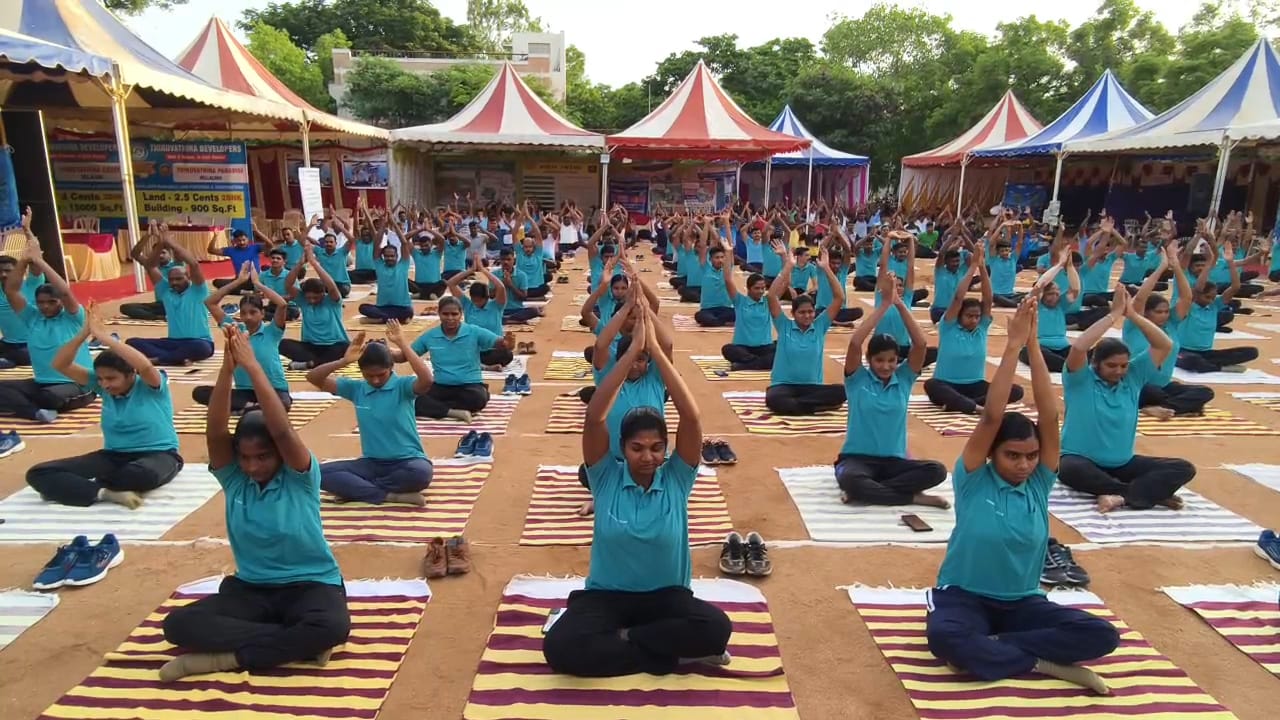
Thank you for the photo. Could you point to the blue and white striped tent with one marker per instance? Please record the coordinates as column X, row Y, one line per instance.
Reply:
column 1105, row 108
column 1245, row 94
column 820, row 154
column 25, row 56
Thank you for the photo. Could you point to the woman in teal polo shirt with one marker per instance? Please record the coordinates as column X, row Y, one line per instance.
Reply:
column 638, row 613
column 1101, row 396
column 458, row 389
column 140, row 445
column 873, row 466
column 286, row 601
column 483, row 311
column 324, row 337
column 987, row 615
column 1198, row 331
column 753, row 346
column 1055, row 307
column 1164, row 397
column 392, row 466
column 264, row 338
column 795, row 385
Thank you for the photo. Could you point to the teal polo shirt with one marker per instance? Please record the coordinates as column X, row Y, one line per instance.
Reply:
column 1201, row 324
column 798, row 360
column 899, row 267
column 607, row 305
column 322, row 322
column 1043, row 263
column 12, row 327
column 1003, row 273
column 335, row 263
column 771, row 265
column 880, row 411
column 866, row 264
column 1097, row 279
column 188, row 318
column 826, row 294
column 752, row 325
column 426, row 265
column 45, row 336
column 266, row 348
column 715, row 294
column 1102, row 419
column 455, row 360
column 293, row 253
column 1138, row 343
column 692, row 269
column 274, row 529
column 648, row 390
column 945, row 283
column 141, row 420
column 891, row 323
column 364, row 255
column 1051, row 326
column 640, row 539
column 519, row 280
column 532, row 264
column 455, row 255
column 802, row 277
column 278, row 281
column 1135, row 268
column 385, row 415
column 488, row 317
column 962, row 354
column 393, row 284
column 998, row 546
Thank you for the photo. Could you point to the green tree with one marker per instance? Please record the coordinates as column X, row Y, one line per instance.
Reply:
column 1121, row 37
column 380, row 25
column 133, row 7
column 1214, row 39
column 324, row 47
column 289, row 63
column 379, row 92
column 848, row 110
column 493, row 21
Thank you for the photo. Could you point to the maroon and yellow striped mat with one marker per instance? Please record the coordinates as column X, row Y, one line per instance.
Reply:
column 1214, row 421
column 384, row 617
column 494, row 419
column 714, row 367
column 573, row 323
column 567, row 365
column 751, row 410
column 68, row 423
column 192, row 420
column 455, row 486
column 513, row 680
column 300, row 376
column 953, row 424
column 553, row 517
column 686, row 323
column 1247, row 616
column 569, row 414
column 1143, row 682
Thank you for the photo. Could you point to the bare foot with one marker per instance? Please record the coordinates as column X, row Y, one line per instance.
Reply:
column 930, row 500
column 127, row 498
column 1173, row 502
column 407, row 498
column 588, row 509
column 461, row 416
column 1074, row 674
column 844, row 498
column 1107, row 503
column 1157, row 412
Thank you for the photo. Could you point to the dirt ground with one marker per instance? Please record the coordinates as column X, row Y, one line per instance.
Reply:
column 834, row 668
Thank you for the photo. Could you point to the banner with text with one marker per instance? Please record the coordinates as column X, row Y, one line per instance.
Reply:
column 201, row 179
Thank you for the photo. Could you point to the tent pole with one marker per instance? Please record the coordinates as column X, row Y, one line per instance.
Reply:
column 604, row 181
column 1220, row 179
column 768, row 178
column 964, row 163
column 808, row 188
column 737, row 181
column 1057, row 175
column 306, row 142
column 119, row 117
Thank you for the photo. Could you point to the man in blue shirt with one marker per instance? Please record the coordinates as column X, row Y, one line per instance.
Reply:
column 428, row 252
column 517, row 286
column 332, row 256
column 753, row 346
column 394, row 300
column 239, row 252
column 13, row 344
column 715, row 306
column 148, row 253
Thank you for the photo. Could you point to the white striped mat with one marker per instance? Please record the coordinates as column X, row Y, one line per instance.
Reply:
column 20, row 610
column 817, row 497
column 27, row 518
column 1261, row 473
column 1200, row 520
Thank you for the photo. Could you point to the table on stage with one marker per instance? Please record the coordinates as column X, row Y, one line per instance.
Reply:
column 195, row 238
column 90, row 255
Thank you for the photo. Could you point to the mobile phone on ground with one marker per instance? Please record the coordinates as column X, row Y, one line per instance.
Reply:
column 915, row 523
column 552, row 617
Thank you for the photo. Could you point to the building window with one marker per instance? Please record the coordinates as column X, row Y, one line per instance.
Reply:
column 539, row 48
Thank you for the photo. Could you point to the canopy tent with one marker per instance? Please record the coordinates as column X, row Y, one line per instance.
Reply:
column 818, row 154
column 935, row 175
column 1245, row 95
column 28, row 56
column 1106, row 107
column 218, row 58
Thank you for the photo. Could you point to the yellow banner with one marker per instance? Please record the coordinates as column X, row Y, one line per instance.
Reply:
column 153, row 203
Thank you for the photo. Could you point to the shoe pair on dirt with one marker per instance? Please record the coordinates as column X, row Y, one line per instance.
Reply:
column 745, row 557
column 447, row 557
column 1060, row 568
column 717, row 452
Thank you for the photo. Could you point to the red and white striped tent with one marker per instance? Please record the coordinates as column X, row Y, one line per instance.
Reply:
column 506, row 115
column 218, row 58
column 699, row 121
column 932, row 178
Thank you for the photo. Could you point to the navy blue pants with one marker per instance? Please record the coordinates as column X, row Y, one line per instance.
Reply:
column 403, row 313
column 997, row 639
column 369, row 480
column 169, row 351
column 519, row 316
column 715, row 316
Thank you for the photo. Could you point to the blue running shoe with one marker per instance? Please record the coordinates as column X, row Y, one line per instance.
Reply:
column 92, row 563
column 6, row 364
column 54, row 574
column 524, row 385
column 230, row 308
column 484, row 446
column 467, row 445
column 509, row 387
column 1268, row 548
column 10, row 443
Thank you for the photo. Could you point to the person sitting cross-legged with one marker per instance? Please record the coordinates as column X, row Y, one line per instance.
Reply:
column 182, row 292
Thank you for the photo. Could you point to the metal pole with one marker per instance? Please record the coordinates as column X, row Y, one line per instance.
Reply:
column 1220, row 179
column 768, row 178
column 964, row 163
column 306, row 143
column 808, row 188
column 119, row 117
column 604, row 182
column 1057, row 175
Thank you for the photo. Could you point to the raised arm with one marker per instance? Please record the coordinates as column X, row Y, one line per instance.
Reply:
column 1082, row 344
column 292, row 450
column 1228, row 251
column 1149, row 284
column 600, row 358
column 330, row 287
column 321, row 376
column 64, row 360
column 60, row 285
column 962, row 288
column 1161, row 344
column 1021, row 333
column 421, row 369
column 853, row 355
column 281, row 316
column 781, row 283
column 147, row 372
column 214, row 301
column 595, row 431
column 217, row 434
column 688, row 443
column 454, row 282
column 183, row 254
column 919, row 346
column 500, row 290
column 837, row 289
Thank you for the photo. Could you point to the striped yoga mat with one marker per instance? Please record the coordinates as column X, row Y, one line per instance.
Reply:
column 1214, row 421
column 518, row 366
column 202, row 371
column 513, row 680
column 384, row 616
column 925, row 373
column 817, row 497
column 519, row 328
column 191, row 420
column 567, row 365
column 686, row 323
column 1261, row 473
column 300, row 376
column 568, row 414
column 571, row 323
column 1144, row 683
column 710, row 365
column 953, row 424
column 28, row 518
column 360, row 323
column 1200, row 520
column 68, row 423
column 553, row 510
column 494, row 419
column 1247, row 616
column 751, row 410
column 22, row 372
column 20, row 610
column 455, row 486
column 1270, row 401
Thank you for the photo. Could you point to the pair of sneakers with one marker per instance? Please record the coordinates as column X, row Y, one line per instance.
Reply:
column 518, row 385
column 475, row 444
column 447, row 557
column 1060, row 568
column 1268, row 548
column 80, row 563
column 10, row 443
column 717, row 452
column 749, row 556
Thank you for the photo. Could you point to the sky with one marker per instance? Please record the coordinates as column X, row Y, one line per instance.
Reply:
column 624, row 49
